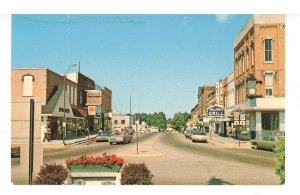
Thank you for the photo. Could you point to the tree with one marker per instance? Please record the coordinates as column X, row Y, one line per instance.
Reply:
column 156, row 119
column 179, row 120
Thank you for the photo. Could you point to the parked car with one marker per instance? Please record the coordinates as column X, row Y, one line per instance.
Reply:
column 266, row 143
column 118, row 137
column 129, row 131
column 189, row 134
column 199, row 136
column 103, row 136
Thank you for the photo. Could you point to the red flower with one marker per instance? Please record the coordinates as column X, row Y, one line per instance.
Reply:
column 104, row 160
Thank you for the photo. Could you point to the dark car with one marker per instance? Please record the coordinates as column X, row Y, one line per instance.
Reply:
column 103, row 136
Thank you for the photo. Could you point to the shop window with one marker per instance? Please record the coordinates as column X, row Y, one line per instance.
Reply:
column 270, row 120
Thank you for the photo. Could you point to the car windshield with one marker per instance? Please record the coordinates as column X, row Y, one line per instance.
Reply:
column 104, row 133
column 199, row 133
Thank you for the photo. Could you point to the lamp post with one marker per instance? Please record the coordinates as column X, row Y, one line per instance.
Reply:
column 64, row 89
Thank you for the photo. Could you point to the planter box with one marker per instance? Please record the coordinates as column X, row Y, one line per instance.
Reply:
column 93, row 168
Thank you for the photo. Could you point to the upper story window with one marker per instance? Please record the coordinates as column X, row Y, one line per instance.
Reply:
column 27, row 85
column 247, row 57
column 75, row 95
column 268, row 50
column 122, row 122
column 115, row 122
column 269, row 84
column 252, row 53
column 81, row 98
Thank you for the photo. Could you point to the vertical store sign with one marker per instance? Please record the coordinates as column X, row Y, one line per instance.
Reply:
column 93, row 99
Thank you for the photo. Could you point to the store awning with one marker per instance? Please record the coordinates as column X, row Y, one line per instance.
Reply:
column 80, row 113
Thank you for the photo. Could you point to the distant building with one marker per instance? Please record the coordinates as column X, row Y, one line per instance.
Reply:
column 229, row 102
column 203, row 104
column 121, row 121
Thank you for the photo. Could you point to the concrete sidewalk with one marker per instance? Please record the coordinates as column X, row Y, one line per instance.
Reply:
column 58, row 144
column 228, row 142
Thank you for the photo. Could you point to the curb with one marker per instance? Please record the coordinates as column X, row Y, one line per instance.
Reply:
column 68, row 145
column 226, row 146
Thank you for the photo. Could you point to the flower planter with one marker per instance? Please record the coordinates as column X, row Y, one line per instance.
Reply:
column 93, row 168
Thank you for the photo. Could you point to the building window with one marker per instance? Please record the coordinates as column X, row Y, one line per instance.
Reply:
column 269, row 84
column 243, row 63
column 116, row 122
column 122, row 122
column 27, row 85
column 252, row 53
column 247, row 58
column 72, row 98
column 270, row 120
column 268, row 50
column 81, row 98
column 75, row 95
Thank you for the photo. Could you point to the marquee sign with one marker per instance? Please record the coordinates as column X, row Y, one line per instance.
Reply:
column 93, row 97
column 215, row 111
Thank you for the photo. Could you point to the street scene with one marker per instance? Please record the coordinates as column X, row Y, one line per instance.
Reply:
column 148, row 100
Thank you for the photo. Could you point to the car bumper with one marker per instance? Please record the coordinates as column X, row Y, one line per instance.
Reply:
column 199, row 139
column 101, row 139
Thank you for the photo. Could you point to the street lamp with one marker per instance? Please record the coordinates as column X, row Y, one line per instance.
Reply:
column 64, row 88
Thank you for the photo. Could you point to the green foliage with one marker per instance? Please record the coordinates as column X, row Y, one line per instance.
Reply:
column 51, row 174
column 158, row 120
column 179, row 120
column 136, row 174
column 280, row 159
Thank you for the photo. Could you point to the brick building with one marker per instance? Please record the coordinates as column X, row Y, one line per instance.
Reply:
column 46, row 85
column 203, row 93
column 259, row 51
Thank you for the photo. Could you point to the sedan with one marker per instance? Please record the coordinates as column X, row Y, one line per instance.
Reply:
column 120, row 138
column 103, row 136
column 199, row 136
column 266, row 143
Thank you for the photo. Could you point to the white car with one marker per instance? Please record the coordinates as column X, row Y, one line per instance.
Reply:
column 199, row 136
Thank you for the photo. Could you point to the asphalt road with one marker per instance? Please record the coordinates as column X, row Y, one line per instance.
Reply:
column 175, row 160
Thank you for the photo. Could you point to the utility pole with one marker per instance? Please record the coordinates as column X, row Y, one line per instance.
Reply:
column 130, row 111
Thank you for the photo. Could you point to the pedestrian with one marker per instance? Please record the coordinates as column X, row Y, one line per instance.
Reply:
column 46, row 133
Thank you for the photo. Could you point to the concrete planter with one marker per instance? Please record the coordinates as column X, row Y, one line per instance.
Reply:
column 93, row 168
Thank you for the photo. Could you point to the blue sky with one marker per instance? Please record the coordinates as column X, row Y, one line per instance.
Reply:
column 159, row 60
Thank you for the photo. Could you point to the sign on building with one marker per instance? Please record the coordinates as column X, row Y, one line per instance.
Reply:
column 93, row 98
column 92, row 110
column 215, row 111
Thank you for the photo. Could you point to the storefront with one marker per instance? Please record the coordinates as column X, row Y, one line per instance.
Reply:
column 56, row 111
column 266, row 116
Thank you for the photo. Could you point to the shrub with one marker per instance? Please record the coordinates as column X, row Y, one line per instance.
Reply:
column 280, row 159
column 51, row 174
column 136, row 174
